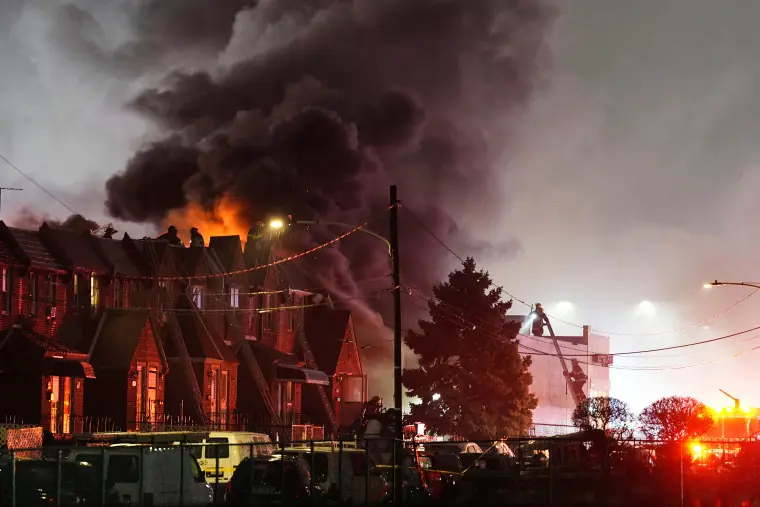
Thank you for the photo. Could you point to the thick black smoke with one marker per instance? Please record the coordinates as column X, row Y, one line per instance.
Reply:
column 317, row 106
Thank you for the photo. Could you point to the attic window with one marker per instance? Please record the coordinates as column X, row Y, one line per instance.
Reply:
column 235, row 297
column 197, row 296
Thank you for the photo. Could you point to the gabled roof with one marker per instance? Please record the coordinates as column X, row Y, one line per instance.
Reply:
column 229, row 252
column 200, row 338
column 118, row 336
column 326, row 333
column 117, row 254
column 73, row 249
column 148, row 248
column 30, row 245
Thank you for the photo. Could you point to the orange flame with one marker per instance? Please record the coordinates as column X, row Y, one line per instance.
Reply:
column 224, row 220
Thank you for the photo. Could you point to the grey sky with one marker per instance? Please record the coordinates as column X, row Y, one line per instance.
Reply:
column 634, row 175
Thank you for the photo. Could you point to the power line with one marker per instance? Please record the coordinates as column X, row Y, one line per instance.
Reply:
column 580, row 326
column 34, row 182
column 645, row 351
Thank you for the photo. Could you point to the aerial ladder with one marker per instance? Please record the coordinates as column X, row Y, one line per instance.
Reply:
column 239, row 339
column 175, row 332
column 737, row 402
column 311, row 362
column 575, row 377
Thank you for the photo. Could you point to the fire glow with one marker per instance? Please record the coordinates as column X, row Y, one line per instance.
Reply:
column 223, row 220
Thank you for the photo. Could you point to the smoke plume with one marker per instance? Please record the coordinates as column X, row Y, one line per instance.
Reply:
column 313, row 108
column 27, row 219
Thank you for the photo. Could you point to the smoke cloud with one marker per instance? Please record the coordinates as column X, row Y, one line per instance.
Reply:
column 314, row 108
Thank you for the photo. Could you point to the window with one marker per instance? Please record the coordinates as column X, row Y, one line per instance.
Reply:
column 213, row 377
column 75, row 286
column 267, row 317
column 235, row 297
column 61, row 397
column 197, row 296
column 220, row 446
column 224, row 395
column 33, row 293
column 145, row 395
column 94, row 291
column 51, row 291
column 5, row 292
column 198, row 475
column 118, row 293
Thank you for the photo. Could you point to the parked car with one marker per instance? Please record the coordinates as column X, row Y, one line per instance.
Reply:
column 274, row 480
column 37, row 483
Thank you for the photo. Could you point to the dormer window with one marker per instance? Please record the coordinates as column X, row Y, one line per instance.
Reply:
column 235, row 297
column 196, row 292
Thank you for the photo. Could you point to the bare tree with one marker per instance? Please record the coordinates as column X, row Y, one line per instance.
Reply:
column 611, row 415
column 676, row 418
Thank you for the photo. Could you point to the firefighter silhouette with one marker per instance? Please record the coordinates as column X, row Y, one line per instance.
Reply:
column 576, row 375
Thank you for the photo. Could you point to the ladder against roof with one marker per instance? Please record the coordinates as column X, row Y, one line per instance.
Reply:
column 241, row 342
column 175, row 334
column 312, row 363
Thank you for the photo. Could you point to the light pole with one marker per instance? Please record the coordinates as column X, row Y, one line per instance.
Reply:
column 716, row 283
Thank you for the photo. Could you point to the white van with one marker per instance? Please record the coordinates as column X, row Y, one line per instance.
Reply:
column 161, row 476
column 220, row 453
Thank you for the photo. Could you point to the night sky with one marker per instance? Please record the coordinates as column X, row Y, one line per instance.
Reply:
column 627, row 173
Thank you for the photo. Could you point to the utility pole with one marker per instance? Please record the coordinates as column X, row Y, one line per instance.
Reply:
column 3, row 189
column 398, row 483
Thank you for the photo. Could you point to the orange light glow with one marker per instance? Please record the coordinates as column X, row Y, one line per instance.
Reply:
column 696, row 450
column 224, row 220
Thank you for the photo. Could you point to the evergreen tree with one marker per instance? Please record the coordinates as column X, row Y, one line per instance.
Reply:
column 471, row 379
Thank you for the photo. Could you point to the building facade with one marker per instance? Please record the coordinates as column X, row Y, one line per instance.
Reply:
column 136, row 334
column 555, row 401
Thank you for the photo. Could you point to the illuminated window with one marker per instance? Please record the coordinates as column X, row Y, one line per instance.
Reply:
column 94, row 291
column 197, row 296
column 5, row 293
column 235, row 297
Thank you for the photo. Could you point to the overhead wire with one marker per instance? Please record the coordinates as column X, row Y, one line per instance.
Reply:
column 458, row 318
column 716, row 316
column 37, row 184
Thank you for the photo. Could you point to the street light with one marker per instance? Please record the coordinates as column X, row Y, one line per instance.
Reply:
column 647, row 307
column 716, row 283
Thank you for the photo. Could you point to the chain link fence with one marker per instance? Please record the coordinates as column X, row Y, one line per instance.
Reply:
column 571, row 470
